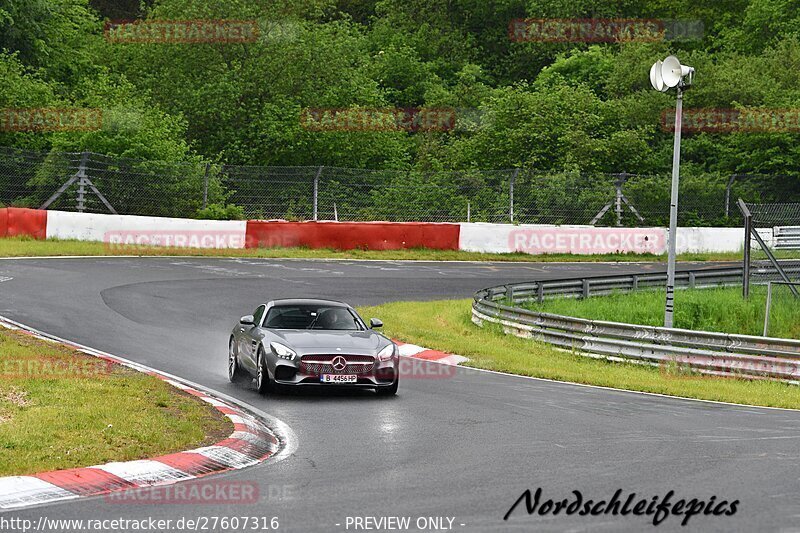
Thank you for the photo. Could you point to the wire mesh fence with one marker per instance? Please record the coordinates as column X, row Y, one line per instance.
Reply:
column 99, row 183
column 772, row 245
column 781, row 310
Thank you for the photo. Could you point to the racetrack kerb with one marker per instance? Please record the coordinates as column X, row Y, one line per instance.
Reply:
column 63, row 409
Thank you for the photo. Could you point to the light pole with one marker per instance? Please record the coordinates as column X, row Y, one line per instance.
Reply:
column 663, row 76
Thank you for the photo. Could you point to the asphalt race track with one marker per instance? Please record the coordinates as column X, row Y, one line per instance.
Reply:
column 465, row 446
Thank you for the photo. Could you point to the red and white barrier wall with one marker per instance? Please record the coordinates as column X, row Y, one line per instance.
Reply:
column 475, row 237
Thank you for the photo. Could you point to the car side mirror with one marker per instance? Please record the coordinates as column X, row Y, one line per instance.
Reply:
column 375, row 323
column 248, row 320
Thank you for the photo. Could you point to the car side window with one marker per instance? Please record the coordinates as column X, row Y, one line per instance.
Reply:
column 258, row 314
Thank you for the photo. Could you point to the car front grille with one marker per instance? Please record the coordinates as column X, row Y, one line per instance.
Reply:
column 323, row 364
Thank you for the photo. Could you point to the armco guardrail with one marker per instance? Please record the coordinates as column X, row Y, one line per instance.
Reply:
column 705, row 352
column 787, row 237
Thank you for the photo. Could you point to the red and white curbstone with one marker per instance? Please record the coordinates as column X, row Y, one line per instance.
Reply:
column 251, row 442
column 418, row 352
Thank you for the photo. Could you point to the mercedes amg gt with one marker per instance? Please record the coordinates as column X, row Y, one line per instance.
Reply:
column 307, row 342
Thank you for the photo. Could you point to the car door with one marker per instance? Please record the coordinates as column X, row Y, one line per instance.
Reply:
column 249, row 339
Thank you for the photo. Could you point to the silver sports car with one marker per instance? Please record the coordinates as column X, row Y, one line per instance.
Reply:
column 311, row 342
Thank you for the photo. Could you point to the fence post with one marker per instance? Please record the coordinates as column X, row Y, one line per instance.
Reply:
column 205, row 185
column 621, row 179
column 728, row 194
column 82, row 181
column 511, row 194
column 748, row 223
column 316, row 191
column 769, row 304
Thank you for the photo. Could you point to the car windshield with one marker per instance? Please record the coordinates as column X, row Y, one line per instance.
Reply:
column 313, row 317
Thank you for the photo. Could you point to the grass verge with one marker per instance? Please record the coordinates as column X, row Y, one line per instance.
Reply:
column 63, row 409
column 445, row 325
column 28, row 247
column 721, row 309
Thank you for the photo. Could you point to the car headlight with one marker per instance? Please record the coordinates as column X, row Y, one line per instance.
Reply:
column 386, row 354
column 282, row 351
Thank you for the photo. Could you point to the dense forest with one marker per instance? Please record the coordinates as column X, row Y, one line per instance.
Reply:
column 542, row 105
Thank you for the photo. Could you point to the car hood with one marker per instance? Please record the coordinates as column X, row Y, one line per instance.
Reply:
column 354, row 342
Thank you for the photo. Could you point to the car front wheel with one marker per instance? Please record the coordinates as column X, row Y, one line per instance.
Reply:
column 235, row 372
column 262, row 376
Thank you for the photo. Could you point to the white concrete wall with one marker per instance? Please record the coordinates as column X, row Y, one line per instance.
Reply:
column 545, row 239
column 151, row 231
column 709, row 240
column 542, row 239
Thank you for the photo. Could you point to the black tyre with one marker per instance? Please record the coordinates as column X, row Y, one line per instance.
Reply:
column 391, row 390
column 263, row 384
column 235, row 372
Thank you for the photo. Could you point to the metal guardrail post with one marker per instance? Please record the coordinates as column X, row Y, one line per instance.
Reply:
column 692, row 278
column 585, row 287
column 540, row 292
column 510, row 293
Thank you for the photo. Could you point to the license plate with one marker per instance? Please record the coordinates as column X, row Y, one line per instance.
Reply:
column 339, row 378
